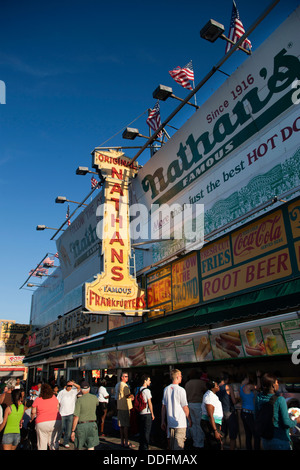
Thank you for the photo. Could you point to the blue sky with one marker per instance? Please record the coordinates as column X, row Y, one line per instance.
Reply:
column 77, row 73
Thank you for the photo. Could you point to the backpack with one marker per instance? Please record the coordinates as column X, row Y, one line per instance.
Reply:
column 139, row 402
column 264, row 418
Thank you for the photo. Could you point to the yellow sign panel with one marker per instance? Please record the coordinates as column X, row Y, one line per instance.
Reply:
column 265, row 269
column 185, row 285
column 159, row 292
column 294, row 214
column 297, row 249
column 115, row 290
column 259, row 237
column 217, row 256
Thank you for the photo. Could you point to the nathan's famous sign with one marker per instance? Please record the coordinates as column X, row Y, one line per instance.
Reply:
column 241, row 148
column 115, row 290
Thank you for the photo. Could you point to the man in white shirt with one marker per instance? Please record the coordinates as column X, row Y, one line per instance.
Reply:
column 67, row 399
column 146, row 416
column 175, row 409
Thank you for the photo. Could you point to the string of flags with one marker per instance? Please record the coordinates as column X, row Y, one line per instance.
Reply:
column 43, row 269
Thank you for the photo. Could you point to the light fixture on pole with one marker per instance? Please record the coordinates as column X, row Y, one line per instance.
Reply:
column 83, row 170
column 35, row 285
column 163, row 92
column 130, row 133
column 62, row 200
column 43, row 227
column 214, row 30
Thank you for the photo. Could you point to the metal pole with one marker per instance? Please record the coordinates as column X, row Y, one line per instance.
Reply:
column 207, row 77
column 81, row 204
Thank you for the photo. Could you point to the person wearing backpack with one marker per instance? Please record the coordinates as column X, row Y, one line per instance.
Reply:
column 272, row 421
column 143, row 406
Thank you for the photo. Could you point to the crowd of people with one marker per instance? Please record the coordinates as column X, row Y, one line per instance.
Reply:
column 201, row 410
column 206, row 410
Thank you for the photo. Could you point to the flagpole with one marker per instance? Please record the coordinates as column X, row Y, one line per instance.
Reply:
column 195, row 93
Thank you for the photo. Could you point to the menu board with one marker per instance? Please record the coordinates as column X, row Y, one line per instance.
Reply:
column 112, row 360
column 152, row 354
column 227, row 345
column 275, row 338
column 253, row 342
column 291, row 331
column 168, row 352
column 203, row 349
column 185, row 351
column 137, row 356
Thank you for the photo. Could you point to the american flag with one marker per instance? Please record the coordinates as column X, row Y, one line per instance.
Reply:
column 56, row 255
column 94, row 182
column 48, row 262
column 39, row 271
column 183, row 75
column 236, row 30
column 154, row 119
column 68, row 215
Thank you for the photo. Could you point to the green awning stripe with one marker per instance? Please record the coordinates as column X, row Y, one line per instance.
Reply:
column 267, row 300
column 270, row 299
column 84, row 345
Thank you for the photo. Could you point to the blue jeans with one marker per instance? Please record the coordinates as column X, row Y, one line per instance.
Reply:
column 196, row 430
column 145, row 430
column 66, row 428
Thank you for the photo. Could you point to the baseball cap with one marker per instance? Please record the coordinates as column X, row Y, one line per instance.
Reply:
column 84, row 385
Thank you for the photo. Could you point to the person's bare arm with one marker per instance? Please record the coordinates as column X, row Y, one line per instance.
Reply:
column 75, row 422
column 151, row 408
column 187, row 414
column 210, row 412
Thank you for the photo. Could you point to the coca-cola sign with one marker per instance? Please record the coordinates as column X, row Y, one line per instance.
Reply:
column 261, row 236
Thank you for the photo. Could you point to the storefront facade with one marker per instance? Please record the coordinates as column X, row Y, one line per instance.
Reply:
column 230, row 304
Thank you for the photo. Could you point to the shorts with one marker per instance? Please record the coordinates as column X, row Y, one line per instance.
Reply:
column 124, row 418
column 11, row 439
column 177, row 438
column 86, row 435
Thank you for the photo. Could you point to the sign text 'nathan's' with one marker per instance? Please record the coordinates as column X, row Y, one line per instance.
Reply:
column 115, row 290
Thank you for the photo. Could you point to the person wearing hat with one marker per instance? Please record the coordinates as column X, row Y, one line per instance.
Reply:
column 84, row 429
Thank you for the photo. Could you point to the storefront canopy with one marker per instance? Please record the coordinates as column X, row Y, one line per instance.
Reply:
column 94, row 343
column 269, row 300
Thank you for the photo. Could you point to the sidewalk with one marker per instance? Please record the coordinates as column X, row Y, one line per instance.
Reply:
column 112, row 441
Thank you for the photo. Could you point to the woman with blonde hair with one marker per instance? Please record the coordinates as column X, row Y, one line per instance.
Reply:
column 45, row 411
